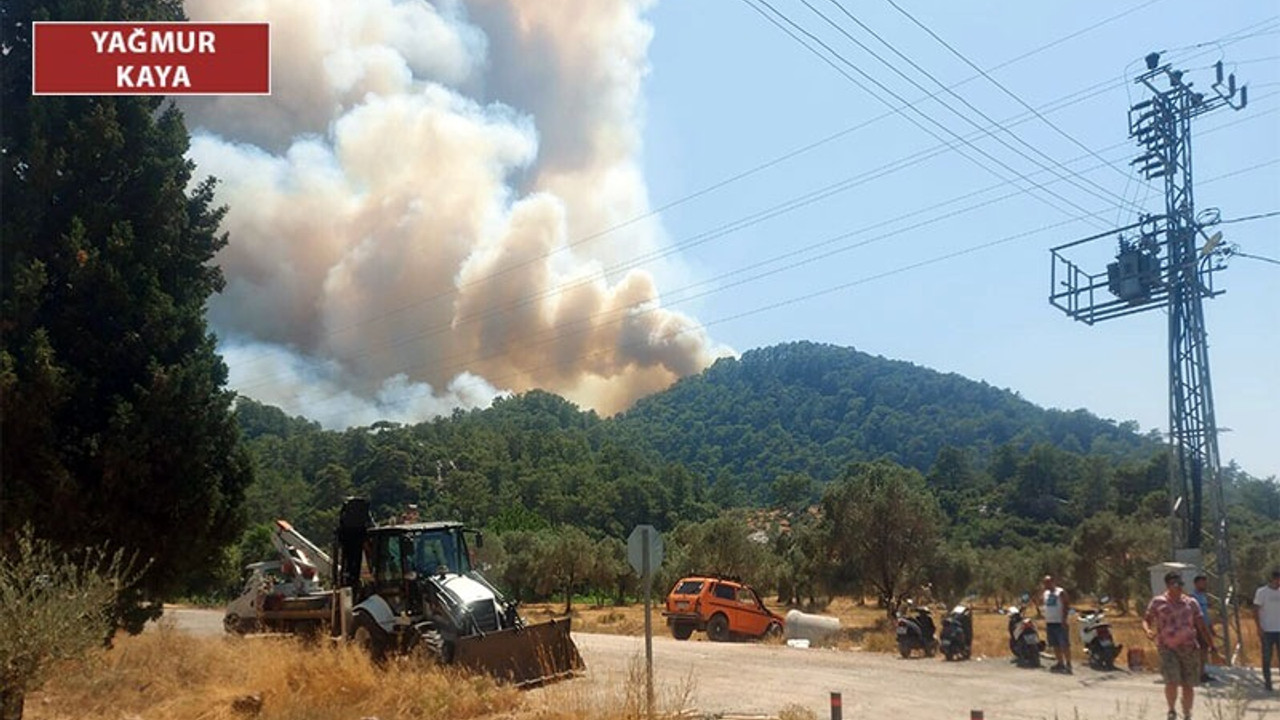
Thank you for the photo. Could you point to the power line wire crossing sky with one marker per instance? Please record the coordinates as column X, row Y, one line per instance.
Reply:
column 446, row 201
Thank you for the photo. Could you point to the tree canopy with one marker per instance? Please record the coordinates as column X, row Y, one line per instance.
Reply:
column 811, row 408
column 533, row 468
column 116, row 421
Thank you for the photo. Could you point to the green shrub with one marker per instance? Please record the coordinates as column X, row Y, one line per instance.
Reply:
column 55, row 606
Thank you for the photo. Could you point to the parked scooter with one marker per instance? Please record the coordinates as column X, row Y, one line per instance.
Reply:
column 956, row 637
column 916, row 630
column 1098, row 642
column 1024, row 639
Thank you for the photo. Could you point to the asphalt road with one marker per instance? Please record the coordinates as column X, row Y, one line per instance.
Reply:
column 749, row 678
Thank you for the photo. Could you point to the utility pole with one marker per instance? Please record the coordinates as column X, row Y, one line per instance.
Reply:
column 1167, row 261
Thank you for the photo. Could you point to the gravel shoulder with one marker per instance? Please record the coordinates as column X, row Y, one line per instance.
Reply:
column 747, row 678
column 753, row 678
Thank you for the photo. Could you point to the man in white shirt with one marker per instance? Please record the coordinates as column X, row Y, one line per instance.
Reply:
column 1266, row 612
column 1054, row 606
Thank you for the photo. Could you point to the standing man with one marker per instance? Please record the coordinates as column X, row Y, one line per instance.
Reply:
column 1054, row 606
column 1173, row 620
column 1266, row 612
column 1200, row 591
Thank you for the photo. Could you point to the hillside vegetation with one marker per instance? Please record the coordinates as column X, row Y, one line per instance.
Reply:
column 781, row 466
column 805, row 407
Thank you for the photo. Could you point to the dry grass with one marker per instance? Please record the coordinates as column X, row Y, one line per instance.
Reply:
column 797, row 712
column 864, row 626
column 621, row 698
column 168, row 675
column 607, row 620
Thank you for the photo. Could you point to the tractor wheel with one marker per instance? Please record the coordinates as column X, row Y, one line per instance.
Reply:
column 718, row 628
column 682, row 631
column 436, row 648
column 370, row 637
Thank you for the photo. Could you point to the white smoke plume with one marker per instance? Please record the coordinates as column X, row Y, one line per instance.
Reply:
column 408, row 208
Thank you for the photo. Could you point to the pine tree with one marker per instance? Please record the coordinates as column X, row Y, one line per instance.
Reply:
column 116, row 423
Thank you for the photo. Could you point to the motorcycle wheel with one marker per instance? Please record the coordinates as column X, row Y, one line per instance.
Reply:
column 904, row 649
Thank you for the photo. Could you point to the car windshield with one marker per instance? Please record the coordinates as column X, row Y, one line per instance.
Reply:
column 434, row 549
column 688, row 587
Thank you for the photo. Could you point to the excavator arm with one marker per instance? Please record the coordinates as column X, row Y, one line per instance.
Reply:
column 308, row 560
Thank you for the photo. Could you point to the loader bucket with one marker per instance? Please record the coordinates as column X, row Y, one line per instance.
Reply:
column 527, row 656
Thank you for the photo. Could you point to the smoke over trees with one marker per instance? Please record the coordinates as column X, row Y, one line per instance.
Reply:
column 440, row 202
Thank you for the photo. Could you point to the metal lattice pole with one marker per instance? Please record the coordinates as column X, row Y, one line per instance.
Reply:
column 1193, row 434
column 1163, row 267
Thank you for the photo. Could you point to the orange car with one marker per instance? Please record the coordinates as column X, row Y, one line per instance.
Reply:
column 724, row 607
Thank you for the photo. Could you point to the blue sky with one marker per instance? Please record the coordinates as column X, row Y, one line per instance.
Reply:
column 727, row 91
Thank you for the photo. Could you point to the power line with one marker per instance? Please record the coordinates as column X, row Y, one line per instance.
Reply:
column 725, row 230
column 1248, row 218
column 722, row 230
column 559, row 332
column 1106, row 194
column 1226, row 40
column 828, row 290
column 905, row 105
column 1237, row 253
column 1002, row 87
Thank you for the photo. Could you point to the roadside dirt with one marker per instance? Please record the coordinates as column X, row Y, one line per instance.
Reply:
column 751, row 678
column 755, row 678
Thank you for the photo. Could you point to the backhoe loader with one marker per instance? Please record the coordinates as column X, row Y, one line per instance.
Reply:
column 411, row 588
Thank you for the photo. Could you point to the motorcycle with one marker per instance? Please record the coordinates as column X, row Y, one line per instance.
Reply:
column 1024, row 639
column 915, row 630
column 956, row 637
column 1098, row 642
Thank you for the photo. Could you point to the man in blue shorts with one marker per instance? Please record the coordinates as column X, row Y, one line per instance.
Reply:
column 1054, row 606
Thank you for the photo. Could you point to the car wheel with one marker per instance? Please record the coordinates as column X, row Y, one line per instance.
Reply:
column 231, row 623
column 682, row 631
column 718, row 628
column 773, row 632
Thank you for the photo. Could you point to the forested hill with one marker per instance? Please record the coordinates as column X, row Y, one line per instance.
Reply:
column 812, row 408
column 773, row 427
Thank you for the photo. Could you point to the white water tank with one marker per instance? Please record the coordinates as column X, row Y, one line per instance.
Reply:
column 814, row 628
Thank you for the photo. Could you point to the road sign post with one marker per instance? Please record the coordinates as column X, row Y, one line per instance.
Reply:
column 644, row 552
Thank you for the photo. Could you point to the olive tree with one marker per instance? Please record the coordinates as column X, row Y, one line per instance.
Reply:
column 882, row 519
column 56, row 606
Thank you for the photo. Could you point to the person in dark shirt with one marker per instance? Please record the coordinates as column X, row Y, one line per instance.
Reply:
column 1200, row 591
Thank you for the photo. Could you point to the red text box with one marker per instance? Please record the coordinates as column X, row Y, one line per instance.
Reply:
column 146, row 58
